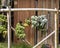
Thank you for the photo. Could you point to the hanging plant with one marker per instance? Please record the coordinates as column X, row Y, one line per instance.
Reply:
column 39, row 22
column 36, row 21
column 20, row 31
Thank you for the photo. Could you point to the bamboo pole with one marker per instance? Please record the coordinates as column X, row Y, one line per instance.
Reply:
column 9, row 27
column 29, row 9
column 44, row 39
column 9, row 23
column 56, row 27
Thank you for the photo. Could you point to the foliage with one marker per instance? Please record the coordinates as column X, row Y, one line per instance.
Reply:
column 3, row 18
column 20, row 31
column 27, row 21
column 39, row 21
column 46, row 46
column 2, row 28
column 21, row 45
column 34, row 21
column 3, row 25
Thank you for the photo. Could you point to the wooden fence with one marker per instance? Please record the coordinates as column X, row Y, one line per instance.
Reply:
column 22, row 15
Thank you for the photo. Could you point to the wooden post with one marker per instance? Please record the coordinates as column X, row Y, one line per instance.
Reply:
column 9, row 27
column 56, row 27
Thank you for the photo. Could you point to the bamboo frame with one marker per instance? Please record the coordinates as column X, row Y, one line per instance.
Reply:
column 29, row 9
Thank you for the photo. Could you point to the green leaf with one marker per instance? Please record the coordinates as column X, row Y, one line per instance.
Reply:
column 3, row 25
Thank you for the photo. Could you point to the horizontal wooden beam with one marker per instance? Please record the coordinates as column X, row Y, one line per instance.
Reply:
column 29, row 9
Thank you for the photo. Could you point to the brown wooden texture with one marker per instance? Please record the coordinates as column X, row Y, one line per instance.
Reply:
column 22, row 15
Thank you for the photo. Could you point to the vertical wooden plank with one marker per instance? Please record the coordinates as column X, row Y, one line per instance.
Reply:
column 39, row 6
column 15, row 13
